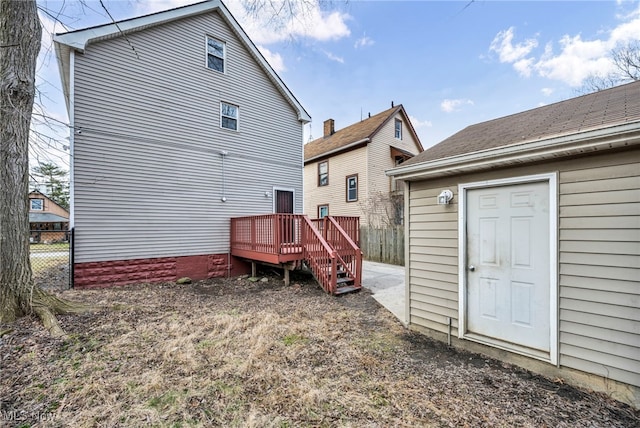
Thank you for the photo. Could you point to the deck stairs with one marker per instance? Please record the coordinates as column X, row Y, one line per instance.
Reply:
column 332, row 256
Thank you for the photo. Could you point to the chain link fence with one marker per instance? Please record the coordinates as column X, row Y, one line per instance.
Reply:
column 50, row 259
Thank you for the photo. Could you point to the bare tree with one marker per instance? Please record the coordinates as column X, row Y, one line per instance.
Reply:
column 382, row 209
column 626, row 61
column 20, row 33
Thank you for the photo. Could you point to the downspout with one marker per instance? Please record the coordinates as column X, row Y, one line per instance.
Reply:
column 72, row 133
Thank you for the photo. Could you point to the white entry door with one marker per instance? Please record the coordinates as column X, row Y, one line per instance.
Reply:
column 508, row 265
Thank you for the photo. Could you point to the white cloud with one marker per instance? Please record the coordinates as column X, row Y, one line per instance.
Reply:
column 146, row 7
column 306, row 20
column 450, row 106
column 333, row 57
column 547, row 92
column 503, row 45
column 577, row 60
column 417, row 123
column 363, row 42
column 574, row 61
column 273, row 58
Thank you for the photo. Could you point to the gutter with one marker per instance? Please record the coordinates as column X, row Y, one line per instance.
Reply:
column 339, row 149
column 520, row 153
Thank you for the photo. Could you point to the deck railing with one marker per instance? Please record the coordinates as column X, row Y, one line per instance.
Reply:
column 320, row 257
column 351, row 226
column 347, row 251
column 269, row 233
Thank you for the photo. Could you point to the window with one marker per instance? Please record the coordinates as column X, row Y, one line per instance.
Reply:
column 37, row 204
column 352, row 188
column 323, row 173
column 398, row 129
column 229, row 116
column 215, row 54
column 323, row 211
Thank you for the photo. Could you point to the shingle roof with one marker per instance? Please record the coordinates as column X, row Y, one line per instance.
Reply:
column 46, row 218
column 615, row 106
column 360, row 131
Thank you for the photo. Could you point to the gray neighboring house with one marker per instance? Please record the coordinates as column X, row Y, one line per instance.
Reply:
column 535, row 259
column 176, row 128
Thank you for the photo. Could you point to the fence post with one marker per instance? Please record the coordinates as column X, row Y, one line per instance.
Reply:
column 72, row 245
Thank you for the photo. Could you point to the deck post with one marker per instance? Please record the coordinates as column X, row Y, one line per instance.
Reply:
column 286, row 276
column 253, row 269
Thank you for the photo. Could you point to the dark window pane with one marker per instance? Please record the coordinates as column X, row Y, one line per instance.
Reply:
column 229, row 123
column 215, row 63
column 324, row 179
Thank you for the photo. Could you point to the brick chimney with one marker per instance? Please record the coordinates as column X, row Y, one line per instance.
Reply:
column 329, row 127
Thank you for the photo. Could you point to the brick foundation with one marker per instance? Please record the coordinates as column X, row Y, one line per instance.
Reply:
column 164, row 269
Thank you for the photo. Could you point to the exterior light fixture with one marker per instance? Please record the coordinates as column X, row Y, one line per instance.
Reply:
column 445, row 197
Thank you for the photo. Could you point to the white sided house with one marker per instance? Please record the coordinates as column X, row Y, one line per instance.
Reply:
column 178, row 124
column 344, row 170
column 523, row 240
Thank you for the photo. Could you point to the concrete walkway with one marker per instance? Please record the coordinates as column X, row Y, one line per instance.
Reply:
column 386, row 282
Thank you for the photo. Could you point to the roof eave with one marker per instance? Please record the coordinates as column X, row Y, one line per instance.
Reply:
column 549, row 149
column 337, row 150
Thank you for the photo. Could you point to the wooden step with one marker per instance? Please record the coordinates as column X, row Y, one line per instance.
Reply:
column 347, row 289
column 344, row 280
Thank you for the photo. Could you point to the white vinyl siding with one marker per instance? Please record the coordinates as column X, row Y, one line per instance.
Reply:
column 340, row 166
column 600, row 268
column 599, row 260
column 148, row 170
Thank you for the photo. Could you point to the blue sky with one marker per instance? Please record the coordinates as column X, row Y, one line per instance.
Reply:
column 451, row 64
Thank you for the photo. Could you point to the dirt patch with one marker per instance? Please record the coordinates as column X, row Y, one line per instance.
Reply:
column 231, row 352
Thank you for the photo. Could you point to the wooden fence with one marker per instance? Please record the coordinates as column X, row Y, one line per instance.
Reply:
column 383, row 245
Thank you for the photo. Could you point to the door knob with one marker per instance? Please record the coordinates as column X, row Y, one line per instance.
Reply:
column 472, row 268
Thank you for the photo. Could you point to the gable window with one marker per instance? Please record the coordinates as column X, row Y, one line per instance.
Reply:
column 229, row 116
column 215, row 54
column 37, row 204
column 323, row 173
column 323, row 211
column 352, row 188
column 398, row 129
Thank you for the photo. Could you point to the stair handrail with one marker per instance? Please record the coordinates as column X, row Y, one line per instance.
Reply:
column 358, row 252
column 328, row 283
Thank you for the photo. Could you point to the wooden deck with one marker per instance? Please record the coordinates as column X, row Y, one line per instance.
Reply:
column 328, row 247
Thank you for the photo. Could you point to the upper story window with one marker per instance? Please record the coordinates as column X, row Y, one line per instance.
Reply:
column 229, row 116
column 36, row 204
column 323, row 173
column 398, row 128
column 352, row 188
column 215, row 54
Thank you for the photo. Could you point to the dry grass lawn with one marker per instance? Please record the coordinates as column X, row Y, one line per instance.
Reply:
column 238, row 354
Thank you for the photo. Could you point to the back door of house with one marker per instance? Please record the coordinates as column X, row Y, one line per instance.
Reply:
column 508, row 270
column 283, row 201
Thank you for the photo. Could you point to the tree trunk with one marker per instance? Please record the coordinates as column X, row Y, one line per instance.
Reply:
column 20, row 34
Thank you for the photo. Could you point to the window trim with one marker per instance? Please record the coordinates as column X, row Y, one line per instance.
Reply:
column 397, row 131
column 347, row 187
column 327, row 173
column 322, row 206
column 206, row 54
column 237, row 118
column 36, row 209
